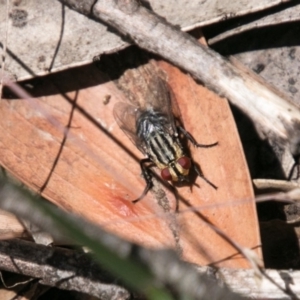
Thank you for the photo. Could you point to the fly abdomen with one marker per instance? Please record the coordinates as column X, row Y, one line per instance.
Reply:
column 161, row 148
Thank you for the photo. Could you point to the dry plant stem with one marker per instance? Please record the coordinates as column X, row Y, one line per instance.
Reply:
column 287, row 15
column 47, row 265
column 57, row 267
column 289, row 197
column 165, row 264
column 245, row 283
column 287, row 191
column 275, row 118
column 281, row 185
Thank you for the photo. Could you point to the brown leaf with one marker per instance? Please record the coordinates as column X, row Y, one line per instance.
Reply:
column 97, row 173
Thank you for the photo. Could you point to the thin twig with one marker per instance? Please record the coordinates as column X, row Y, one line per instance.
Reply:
column 58, row 267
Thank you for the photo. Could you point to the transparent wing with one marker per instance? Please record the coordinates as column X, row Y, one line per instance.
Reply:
column 158, row 94
column 156, row 89
column 126, row 116
column 145, row 88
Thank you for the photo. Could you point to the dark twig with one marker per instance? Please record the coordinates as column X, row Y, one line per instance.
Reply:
column 61, row 268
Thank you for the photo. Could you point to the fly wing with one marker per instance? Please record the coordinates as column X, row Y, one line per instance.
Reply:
column 174, row 109
column 163, row 97
column 126, row 116
column 158, row 94
column 146, row 88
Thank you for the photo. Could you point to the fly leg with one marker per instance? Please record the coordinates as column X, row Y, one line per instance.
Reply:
column 147, row 176
column 200, row 174
column 196, row 168
column 190, row 138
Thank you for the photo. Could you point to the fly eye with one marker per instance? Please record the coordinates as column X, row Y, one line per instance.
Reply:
column 165, row 174
column 185, row 162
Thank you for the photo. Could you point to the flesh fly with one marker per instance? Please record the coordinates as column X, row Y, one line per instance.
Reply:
column 151, row 125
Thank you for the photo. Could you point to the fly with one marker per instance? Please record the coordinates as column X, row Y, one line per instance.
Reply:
column 152, row 127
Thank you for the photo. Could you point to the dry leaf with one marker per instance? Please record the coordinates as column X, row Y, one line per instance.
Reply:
column 97, row 172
